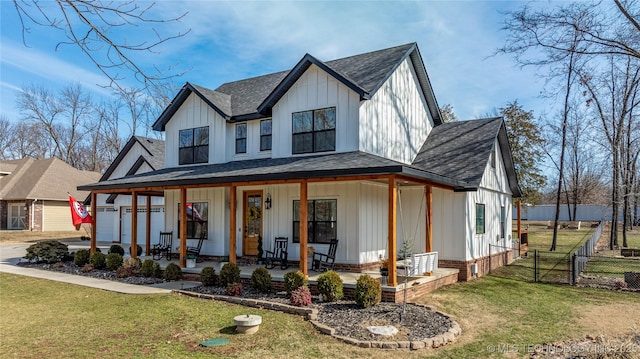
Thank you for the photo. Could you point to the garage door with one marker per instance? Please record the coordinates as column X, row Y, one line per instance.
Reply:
column 157, row 224
column 105, row 224
column 57, row 217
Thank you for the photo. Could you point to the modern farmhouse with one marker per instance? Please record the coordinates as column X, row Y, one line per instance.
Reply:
column 353, row 150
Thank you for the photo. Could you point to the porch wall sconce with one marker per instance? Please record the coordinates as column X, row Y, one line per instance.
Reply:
column 267, row 201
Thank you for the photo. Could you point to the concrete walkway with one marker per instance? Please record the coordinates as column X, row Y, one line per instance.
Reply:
column 10, row 254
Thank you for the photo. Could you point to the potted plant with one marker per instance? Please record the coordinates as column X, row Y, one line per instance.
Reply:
column 191, row 261
column 384, row 267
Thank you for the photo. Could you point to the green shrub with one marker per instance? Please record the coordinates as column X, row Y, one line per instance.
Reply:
column 261, row 280
column 81, row 257
column 139, row 252
column 330, row 286
column 229, row 273
column 113, row 261
column 147, row 268
column 98, row 260
column 234, row 289
column 172, row 272
column 69, row 257
column 368, row 291
column 47, row 251
column 115, row 248
column 208, row 276
column 301, row 296
column 294, row 280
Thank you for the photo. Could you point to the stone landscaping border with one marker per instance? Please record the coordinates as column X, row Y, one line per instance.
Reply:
column 311, row 314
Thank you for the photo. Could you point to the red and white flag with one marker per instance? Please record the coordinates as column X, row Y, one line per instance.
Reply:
column 79, row 215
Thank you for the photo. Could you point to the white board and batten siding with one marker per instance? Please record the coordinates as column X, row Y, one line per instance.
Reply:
column 316, row 89
column 253, row 142
column 449, row 224
column 217, row 242
column 192, row 114
column 494, row 193
column 395, row 122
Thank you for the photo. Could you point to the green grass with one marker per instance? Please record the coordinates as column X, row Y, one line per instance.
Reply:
column 49, row 319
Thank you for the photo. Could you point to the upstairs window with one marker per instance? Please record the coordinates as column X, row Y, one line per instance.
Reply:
column 265, row 135
column 314, row 131
column 479, row 218
column 493, row 156
column 241, row 138
column 194, row 145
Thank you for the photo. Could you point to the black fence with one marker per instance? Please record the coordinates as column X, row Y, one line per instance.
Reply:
column 607, row 272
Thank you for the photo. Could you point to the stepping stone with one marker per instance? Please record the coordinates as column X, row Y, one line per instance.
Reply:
column 384, row 330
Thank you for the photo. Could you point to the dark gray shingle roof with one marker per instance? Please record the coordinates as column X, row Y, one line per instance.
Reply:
column 462, row 150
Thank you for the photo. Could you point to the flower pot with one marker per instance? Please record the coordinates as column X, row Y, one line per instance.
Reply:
column 191, row 262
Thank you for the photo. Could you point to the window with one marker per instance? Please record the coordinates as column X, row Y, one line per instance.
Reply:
column 241, row 138
column 197, row 219
column 493, row 156
column 503, row 222
column 194, row 146
column 265, row 135
column 322, row 217
column 314, row 131
column 479, row 218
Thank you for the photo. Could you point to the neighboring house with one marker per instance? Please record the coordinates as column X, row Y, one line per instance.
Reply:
column 33, row 193
column 359, row 139
column 139, row 155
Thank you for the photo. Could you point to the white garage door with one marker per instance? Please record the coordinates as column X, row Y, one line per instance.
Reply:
column 157, row 225
column 105, row 224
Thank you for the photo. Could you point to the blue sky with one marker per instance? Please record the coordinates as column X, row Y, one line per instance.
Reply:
column 235, row 40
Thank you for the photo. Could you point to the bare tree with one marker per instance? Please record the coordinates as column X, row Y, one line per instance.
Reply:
column 447, row 113
column 100, row 29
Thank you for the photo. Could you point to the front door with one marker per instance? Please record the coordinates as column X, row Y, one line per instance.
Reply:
column 252, row 222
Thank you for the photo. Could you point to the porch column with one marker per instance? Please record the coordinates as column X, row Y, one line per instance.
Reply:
column 183, row 227
column 303, row 228
column 94, row 213
column 391, row 245
column 134, row 224
column 429, row 243
column 232, row 224
column 519, row 225
column 148, row 234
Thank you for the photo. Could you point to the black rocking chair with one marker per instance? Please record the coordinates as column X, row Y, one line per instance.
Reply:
column 195, row 251
column 279, row 254
column 163, row 248
column 321, row 261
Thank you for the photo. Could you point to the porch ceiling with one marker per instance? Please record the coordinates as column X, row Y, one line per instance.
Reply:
column 294, row 169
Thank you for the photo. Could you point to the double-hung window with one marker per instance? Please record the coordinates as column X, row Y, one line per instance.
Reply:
column 503, row 222
column 314, row 131
column 265, row 135
column 479, row 218
column 321, row 220
column 194, row 145
column 197, row 219
column 241, row 138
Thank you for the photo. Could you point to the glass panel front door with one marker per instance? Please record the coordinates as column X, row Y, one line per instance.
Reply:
column 252, row 222
column 17, row 217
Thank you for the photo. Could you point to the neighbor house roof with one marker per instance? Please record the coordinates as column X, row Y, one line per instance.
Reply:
column 254, row 97
column 462, row 149
column 48, row 179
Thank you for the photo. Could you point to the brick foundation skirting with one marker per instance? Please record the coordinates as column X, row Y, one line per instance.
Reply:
column 465, row 274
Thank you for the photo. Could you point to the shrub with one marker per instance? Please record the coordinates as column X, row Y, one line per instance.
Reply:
column 147, row 268
column 294, row 280
column 208, row 276
column 124, row 272
column 301, row 296
column 368, row 291
column 87, row 268
column 330, row 286
column 229, row 273
column 172, row 272
column 69, row 257
column 139, row 252
column 98, row 260
column 81, row 257
column 234, row 289
column 134, row 263
column 113, row 261
column 47, row 251
column 261, row 280
column 115, row 248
